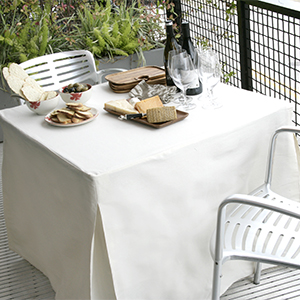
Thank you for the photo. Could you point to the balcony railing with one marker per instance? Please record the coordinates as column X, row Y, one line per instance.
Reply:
column 258, row 43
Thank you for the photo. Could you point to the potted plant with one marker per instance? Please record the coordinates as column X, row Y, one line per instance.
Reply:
column 112, row 34
column 31, row 28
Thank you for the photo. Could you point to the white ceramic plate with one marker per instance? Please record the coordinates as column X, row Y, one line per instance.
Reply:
column 93, row 110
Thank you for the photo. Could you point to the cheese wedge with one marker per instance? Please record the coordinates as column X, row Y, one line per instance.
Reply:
column 121, row 106
column 152, row 102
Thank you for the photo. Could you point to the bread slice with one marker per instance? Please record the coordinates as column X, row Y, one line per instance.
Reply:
column 152, row 102
column 121, row 106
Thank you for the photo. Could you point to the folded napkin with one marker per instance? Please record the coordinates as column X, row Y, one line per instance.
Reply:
column 144, row 91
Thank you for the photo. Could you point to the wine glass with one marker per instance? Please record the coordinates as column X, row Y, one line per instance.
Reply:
column 197, row 63
column 183, row 72
column 212, row 81
column 171, row 53
column 209, row 71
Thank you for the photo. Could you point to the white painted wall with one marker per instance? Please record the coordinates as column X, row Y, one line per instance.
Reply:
column 292, row 4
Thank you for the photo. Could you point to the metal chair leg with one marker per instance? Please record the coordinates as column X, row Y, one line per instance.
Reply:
column 257, row 273
column 216, row 281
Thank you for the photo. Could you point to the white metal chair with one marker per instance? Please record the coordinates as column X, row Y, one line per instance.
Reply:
column 263, row 227
column 52, row 71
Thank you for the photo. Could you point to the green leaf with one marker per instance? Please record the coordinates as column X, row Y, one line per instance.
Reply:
column 8, row 41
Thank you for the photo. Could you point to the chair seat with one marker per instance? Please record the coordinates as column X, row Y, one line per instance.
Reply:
column 262, row 227
column 263, row 235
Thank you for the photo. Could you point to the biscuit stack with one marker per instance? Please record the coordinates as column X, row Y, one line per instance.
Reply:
column 72, row 113
column 25, row 86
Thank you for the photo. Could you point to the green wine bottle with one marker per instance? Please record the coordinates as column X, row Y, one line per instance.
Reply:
column 171, row 44
column 187, row 44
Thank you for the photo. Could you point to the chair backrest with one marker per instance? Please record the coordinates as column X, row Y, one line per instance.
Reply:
column 52, row 71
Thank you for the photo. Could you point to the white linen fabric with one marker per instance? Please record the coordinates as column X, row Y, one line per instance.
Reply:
column 118, row 210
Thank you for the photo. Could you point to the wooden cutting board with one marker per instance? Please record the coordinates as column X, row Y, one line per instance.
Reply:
column 123, row 82
column 181, row 115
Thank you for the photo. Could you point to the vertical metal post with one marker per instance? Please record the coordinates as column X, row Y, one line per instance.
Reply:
column 245, row 45
column 177, row 10
column 177, row 15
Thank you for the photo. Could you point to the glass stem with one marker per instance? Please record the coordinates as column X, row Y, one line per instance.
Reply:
column 210, row 93
column 184, row 97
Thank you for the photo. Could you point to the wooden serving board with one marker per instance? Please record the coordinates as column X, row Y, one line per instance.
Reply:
column 180, row 116
column 128, row 87
column 123, row 82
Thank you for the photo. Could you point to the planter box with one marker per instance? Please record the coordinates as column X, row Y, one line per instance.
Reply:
column 153, row 57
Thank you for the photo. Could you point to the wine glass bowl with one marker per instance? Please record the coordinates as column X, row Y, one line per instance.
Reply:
column 209, row 72
column 183, row 72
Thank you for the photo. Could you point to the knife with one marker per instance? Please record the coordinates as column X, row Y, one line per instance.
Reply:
column 131, row 116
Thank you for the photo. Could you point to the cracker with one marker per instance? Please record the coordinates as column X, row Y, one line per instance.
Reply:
column 67, row 111
column 79, row 116
column 74, row 105
column 51, row 94
column 55, row 119
column 82, row 108
column 18, row 71
column 48, row 95
column 63, row 118
column 33, row 83
column 44, row 96
column 68, row 115
column 15, row 83
column 84, row 114
column 31, row 94
column 5, row 72
column 54, row 113
column 161, row 114
column 76, row 120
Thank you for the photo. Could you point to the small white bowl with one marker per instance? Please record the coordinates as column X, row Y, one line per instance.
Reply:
column 43, row 107
column 80, row 97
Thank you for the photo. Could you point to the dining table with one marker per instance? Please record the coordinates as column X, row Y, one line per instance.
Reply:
column 117, row 209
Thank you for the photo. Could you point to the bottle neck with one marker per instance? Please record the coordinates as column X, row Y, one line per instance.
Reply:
column 186, row 32
column 185, row 29
column 170, row 32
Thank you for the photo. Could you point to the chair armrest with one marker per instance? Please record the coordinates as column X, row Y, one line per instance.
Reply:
column 280, row 207
column 291, row 129
column 289, row 208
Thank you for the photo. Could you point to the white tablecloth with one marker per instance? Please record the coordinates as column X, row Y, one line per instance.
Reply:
column 118, row 210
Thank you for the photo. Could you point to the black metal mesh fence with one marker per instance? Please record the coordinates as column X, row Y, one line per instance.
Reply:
column 274, row 39
column 275, row 46
column 211, row 24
